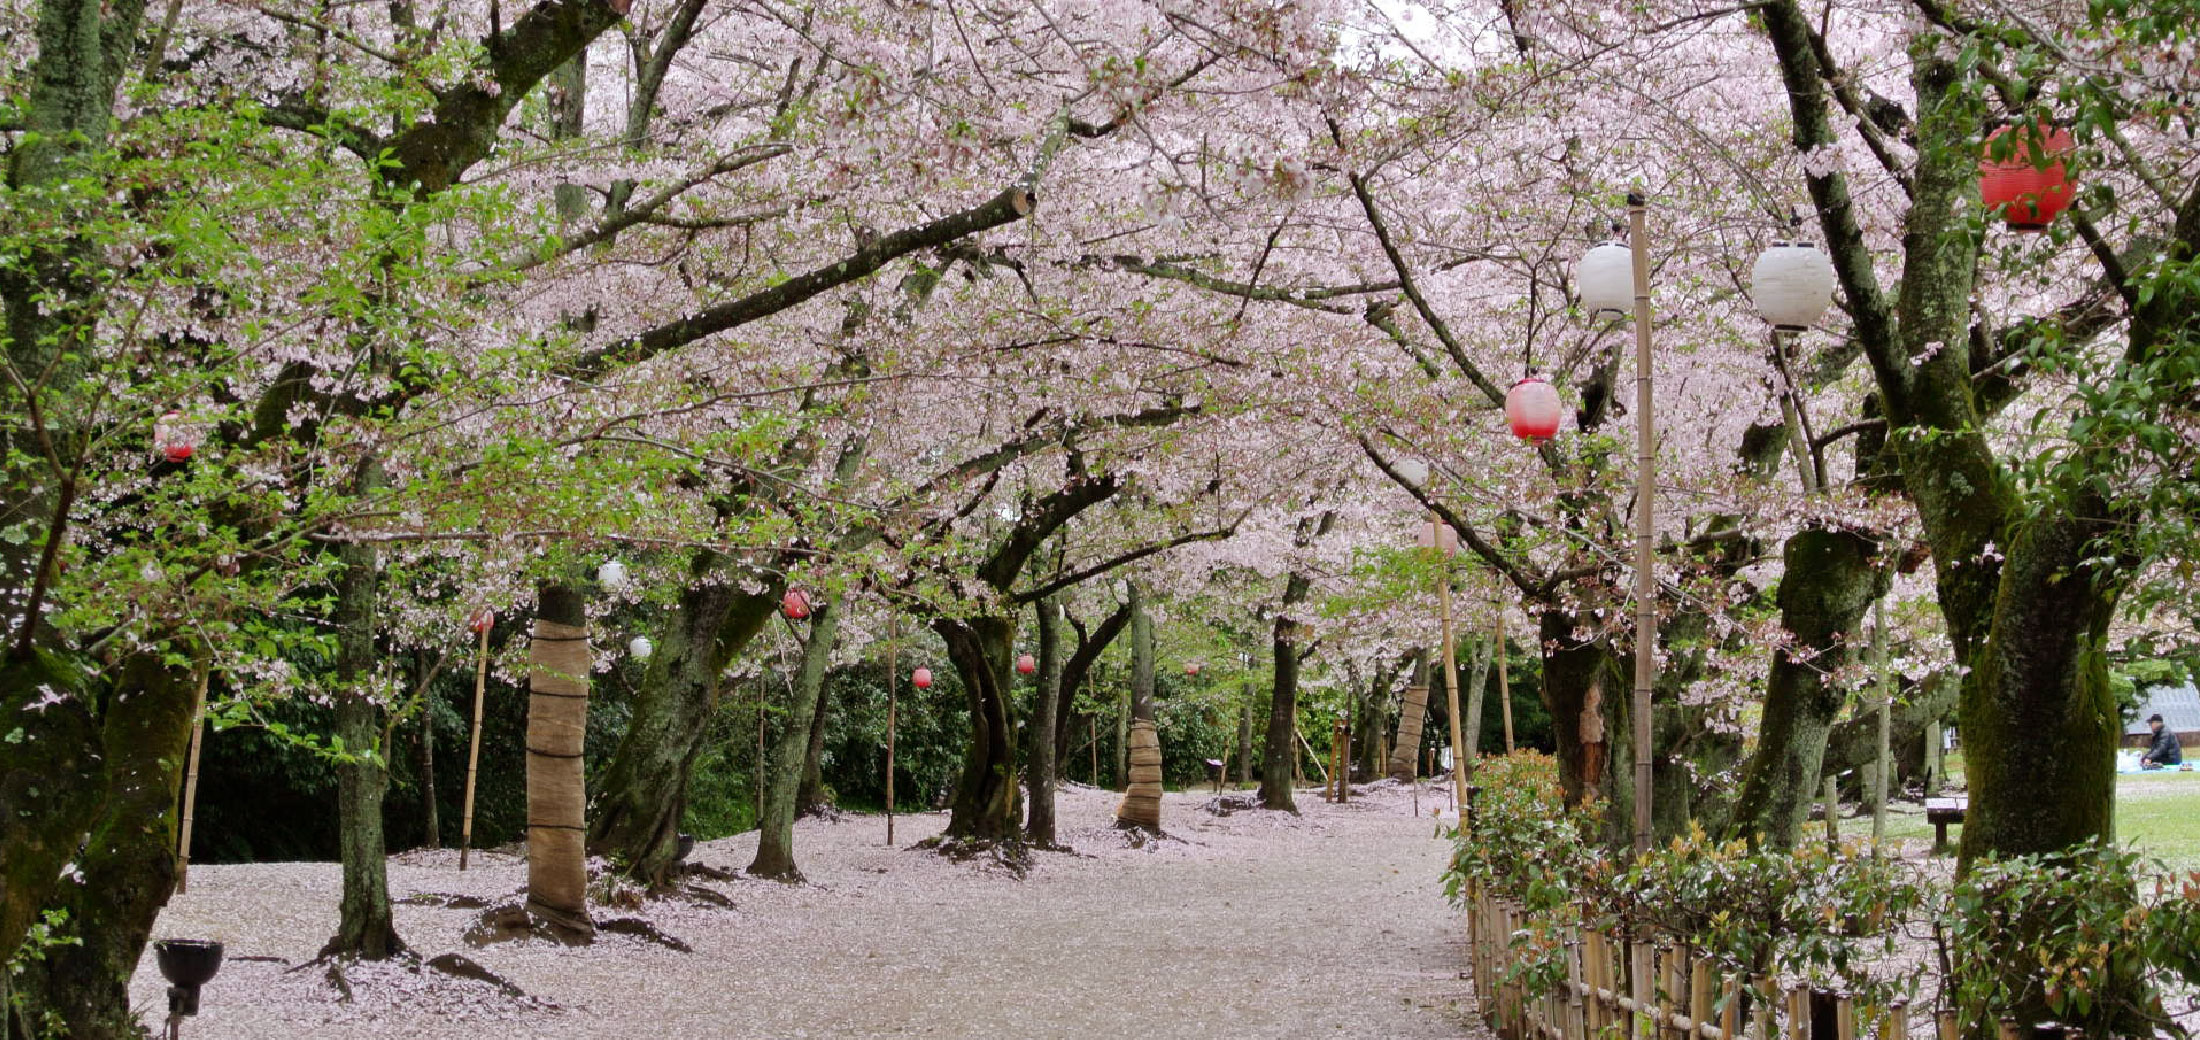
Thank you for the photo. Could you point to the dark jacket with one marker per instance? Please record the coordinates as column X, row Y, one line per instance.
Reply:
column 2164, row 751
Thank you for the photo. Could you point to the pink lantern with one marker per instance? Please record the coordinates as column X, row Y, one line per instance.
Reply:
column 173, row 438
column 1027, row 664
column 1532, row 407
column 1191, row 667
column 921, row 678
column 795, row 605
column 480, row 620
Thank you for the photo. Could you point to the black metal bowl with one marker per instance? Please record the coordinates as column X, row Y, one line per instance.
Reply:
column 188, row 962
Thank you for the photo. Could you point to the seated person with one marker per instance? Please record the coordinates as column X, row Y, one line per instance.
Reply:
column 2164, row 751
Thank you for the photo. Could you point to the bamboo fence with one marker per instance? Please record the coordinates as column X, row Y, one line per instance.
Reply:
column 1616, row 990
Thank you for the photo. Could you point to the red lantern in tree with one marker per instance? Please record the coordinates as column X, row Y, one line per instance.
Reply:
column 921, row 678
column 480, row 620
column 795, row 605
column 2027, row 191
column 1191, row 667
column 1027, row 664
column 1532, row 407
column 173, row 438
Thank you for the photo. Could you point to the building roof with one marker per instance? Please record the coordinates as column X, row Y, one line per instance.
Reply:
column 2179, row 707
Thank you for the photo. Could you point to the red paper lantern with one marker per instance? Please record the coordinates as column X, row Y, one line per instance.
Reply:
column 480, row 620
column 2026, row 194
column 1191, row 667
column 1027, row 664
column 921, row 678
column 795, row 605
column 1532, row 407
column 173, row 438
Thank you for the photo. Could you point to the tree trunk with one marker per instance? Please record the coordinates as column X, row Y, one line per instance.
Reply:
column 557, row 796
column 1045, row 722
column 1828, row 581
column 58, row 773
column 1477, row 685
column 1077, row 671
column 642, row 790
column 127, row 868
column 985, row 794
column 366, row 926
column 810, row 798
column 430, row 812
column 783, row 770
column 1575, row 675
column 1141, row 805
column 2040, row 723
column 1279, row 751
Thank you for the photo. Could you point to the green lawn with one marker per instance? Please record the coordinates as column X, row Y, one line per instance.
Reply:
column 2158, row 812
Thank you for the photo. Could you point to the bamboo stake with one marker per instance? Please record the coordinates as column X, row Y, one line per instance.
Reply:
column 1639, row 988
column 1504, row 685
column 1646, row 470
column 1885, row 725
column 1844, row 1018
column 1730, row 1008
column 1944, row 1022
column 191, row 778
column 1898, row 1020
column 1312, row 754
column 1699, row 995
column 1451, row 679
column 473, row 752
column 893, row 665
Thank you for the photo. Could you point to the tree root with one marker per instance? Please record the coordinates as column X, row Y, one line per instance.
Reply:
column 640, row 929
column 521, row 921
column 445, row 900
column 1010, row 854
column 1139, row 835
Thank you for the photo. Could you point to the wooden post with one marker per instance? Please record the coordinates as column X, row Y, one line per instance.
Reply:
column 1699, row 996
column 1897, row 1025
column 473, row 751
column 1798, row 1024
column 190, row 780
column 1833, row 813
column 1092, row 730
column 1646, row 472
column 1844, row 1017
column 1640, row 989
column 893, row 666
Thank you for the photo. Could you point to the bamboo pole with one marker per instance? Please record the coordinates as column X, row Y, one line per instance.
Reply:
column 1646, row 465
column 1944, row 1023
column 1639, row 988
column 1885, row 726
column 191, row 778
column 893, row 665
column 473, row 751
column 1504, row 684
column 1459, row 761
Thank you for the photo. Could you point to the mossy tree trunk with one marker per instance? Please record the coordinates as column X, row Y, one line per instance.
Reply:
column 1047, row 718
column 810, row 797
column 1078, row 668
column 783, row 769
column 366, row 925
column 127, row 868
column 983, row 808
column 1279, row 748
column 1828, row 580
column 1576, row 683
column 642, row 791
column 557, row 731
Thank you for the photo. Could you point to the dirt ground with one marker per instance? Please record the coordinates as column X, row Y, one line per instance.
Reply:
column 1255, row 924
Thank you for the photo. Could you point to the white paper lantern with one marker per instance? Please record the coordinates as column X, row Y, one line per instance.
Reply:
column 1792, row 285
column 1414, row 471
column 640, row 648
column 612, row 574
column 1607, row 279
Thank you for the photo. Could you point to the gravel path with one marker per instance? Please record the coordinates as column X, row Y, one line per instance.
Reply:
column 1252, row 925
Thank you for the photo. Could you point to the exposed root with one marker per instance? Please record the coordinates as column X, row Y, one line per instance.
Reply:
column 1010, row 854
column 643, row 930
column 461, row 966
column 520, row 921
column 1225, row 804
column 445, row 900
column 1139, row 835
